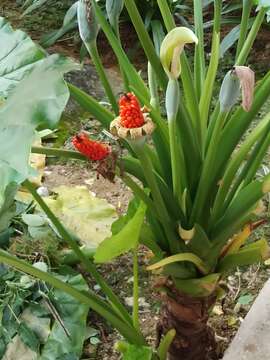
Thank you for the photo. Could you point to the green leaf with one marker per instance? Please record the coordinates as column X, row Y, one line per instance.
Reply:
column 5, row 239
column 124, row 240
column 88, row 103
column 36, row 4
column 245, row 299
column 7, row 205
column 133, row 352
column 200, row 287
column 88, row 25
column 35, row 317
column 262, row 3
column 28, row 337
column 40, row 97
column 69, row 23
column 119, row 224
column 248, row 255
column 33, row 220
column 74, row 316
column 114, row 9
column 18, row 56
column 230, row 39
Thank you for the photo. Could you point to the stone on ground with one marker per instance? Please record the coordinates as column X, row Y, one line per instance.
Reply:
column 252, row 340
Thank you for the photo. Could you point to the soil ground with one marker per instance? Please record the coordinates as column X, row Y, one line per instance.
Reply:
column 243, row 285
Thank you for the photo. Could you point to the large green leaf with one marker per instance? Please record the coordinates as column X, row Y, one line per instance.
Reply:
column 126, row 239
column 18, row 55
column 74, row 316
column 38, row 101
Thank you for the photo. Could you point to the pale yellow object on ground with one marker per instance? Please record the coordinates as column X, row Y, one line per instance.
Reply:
column 37, row 162
column 85, row 215
column 15, row 347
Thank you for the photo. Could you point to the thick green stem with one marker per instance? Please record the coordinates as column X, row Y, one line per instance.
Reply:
column 88, row 298
column 136, row 322
column 251, row 37
column 67, row 154
column 166, row 14
column 208, row 87
column 146, row 42
column 93, row 52
column 87, row 263
column 199, row 60
column 246, row 9
column 177, row 157
column 123, row 60
column 115, row 26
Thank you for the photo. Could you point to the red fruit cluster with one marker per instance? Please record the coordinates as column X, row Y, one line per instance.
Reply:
column 94, row 150
column 131, row 115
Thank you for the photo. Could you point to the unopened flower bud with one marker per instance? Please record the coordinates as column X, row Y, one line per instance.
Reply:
column 87, row 22
column 114, row 9
column 229, row 92
column 241, row 77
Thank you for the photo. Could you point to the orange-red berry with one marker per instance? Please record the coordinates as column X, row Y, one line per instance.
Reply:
column 131, row 115
column 94, row 150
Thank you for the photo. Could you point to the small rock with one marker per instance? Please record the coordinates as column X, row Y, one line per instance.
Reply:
column 97, row 287
column 142, row 302
column 43, row 191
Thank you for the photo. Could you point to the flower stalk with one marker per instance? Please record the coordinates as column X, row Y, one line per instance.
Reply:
column 136, row 322
column 89, row 28
column 242, row 57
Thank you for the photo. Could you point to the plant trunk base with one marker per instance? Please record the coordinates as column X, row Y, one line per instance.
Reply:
column 188, row 315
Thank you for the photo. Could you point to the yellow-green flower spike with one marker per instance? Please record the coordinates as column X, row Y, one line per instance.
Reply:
column 172, row 47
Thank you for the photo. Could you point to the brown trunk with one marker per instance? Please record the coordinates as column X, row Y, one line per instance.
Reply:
column 188, row 316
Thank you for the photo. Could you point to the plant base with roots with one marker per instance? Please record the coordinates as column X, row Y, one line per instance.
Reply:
column 188, row 315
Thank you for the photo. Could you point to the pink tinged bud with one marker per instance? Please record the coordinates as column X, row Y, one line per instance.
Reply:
column 247, row 82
